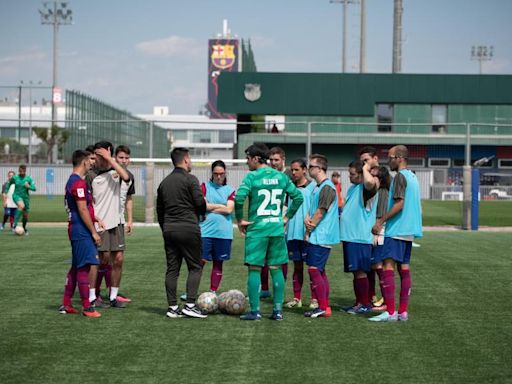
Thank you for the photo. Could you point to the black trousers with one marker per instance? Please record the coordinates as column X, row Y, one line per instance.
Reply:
column 181, row 246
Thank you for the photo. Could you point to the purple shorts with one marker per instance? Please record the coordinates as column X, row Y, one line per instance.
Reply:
column 84, row 253
column 398, row 250
column 216, row 249
column 297, row 250
column 317, row 256
column 356, row 256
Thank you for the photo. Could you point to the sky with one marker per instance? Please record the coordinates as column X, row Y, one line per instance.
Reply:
column 138, row 54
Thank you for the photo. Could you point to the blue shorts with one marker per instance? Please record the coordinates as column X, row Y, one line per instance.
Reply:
column 84, row 253
column 216, row 249
column 317, row 256
column 356, row 256
column 297, row 250
column 9, row 211
column 377, row 253
column 398, row 250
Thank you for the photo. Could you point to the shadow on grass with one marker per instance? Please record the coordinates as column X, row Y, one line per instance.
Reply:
column 154, row 310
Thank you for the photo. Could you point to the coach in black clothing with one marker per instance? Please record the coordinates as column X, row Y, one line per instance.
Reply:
column 180, row 203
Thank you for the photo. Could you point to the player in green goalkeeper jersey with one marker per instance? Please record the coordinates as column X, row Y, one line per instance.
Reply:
column 23, row 183
column 266, row 189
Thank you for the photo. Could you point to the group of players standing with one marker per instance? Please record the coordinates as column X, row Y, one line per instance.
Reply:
column 293, row 217
column 97, row 194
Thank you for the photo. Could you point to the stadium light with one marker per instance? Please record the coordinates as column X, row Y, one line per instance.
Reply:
column 55, row 13
column 344, row 31
column 482, row 53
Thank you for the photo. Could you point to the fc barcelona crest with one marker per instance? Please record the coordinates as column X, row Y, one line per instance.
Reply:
column 223, row 56
column 252, row 92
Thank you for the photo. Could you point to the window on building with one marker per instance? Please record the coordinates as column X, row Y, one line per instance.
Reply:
column 385, row 117
column 439, row 118
column 179, row 134
column 438, row 162
column 416, row 162
column 504, row 163
column 226, row 136
column 202, row 137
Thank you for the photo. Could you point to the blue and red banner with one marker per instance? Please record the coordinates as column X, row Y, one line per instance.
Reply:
column 222, row 56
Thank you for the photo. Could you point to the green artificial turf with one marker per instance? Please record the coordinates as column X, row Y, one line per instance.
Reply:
column 459, row 329
column 435, row 212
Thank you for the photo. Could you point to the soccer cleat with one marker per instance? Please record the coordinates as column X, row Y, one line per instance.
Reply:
column 265, row 294
column 123, row 299
column 91, row 312
column 380, row 308
column 1, row 227
column 99, row 303
column 117, row 304
column 26, row 233
column 174, row 313
column 384, row 317
column 317, row 312
column 349, row 308
column 378, row 303
column 328, row 312
column 193, row 311
column 295, row 303
column 68, row 309
column 253, row 315
column 276, row 315
column 360, row 309
column 183, row 297
column 404, row 316
column 314, row 304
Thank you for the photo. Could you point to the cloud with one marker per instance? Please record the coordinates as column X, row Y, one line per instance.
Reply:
column 170, row 47
column 24, row 57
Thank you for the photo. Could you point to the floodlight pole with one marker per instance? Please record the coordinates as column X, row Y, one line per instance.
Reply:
column 344, row 31
column 55, row 13
column 482, row 53
column 466, row 176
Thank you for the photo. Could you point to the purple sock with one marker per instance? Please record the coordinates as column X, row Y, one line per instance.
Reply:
column 284, row 268
column 405, row 289
column 69, row 287
column 362, row 290
column 318, row 287
column 82, row 277
column 388, row 289
column 216, row 276
column 264, row 278
column 298, row 279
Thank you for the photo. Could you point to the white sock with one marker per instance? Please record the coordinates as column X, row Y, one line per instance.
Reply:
column 113, row 292
column 92, row 294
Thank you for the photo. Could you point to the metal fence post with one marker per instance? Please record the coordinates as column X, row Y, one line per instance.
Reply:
column 308, row 142
column 466, row 206
column 149, row 193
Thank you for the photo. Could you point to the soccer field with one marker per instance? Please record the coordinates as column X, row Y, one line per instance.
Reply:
column 435, row 212
column 459, row 329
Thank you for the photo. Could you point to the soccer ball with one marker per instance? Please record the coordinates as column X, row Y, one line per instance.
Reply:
column 236, row 303
column 19, row 230
column 207, row 302
column 222, row 300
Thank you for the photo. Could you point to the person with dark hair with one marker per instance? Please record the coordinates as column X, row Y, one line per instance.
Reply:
column 179, row 205
column 295, row 233
column 23, row 184
column 82, row 235
column 277, row 159
column 369, row 155
column 356, row 232
column 217, row 228
column 106, row 189
column 91, row 173
column 383, row 183
column 266, row 189
column 403, row 224
column 322, row 232
column 8, row 203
